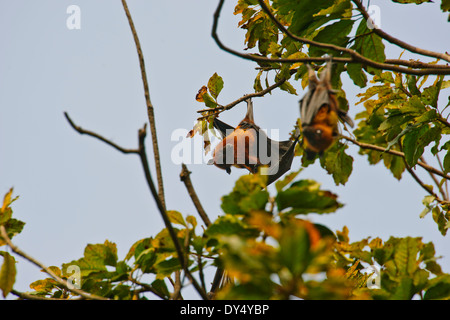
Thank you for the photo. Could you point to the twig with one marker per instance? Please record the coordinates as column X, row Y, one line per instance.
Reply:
column 436, row 181
column 446, row 182
column 150, row 109
column 185, row 177
column 219, row 109
column 399, row 42
column 421, row 183
column 95, row 135
column 61, row 281
column 416, row 64
column 397, row 153
column 176, row 295
column 27, row 296
column 146, row 287
column 163, row 212
column 216, row 282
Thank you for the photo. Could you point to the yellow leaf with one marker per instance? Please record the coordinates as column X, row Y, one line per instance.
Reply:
column 7, row 273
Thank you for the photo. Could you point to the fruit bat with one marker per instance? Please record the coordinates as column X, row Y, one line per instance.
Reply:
column 247, row 146
column 319, row 113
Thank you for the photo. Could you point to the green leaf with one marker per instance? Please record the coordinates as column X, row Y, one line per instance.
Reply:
column 286, row 86
column 215, row 85
column 404, row 290
column 440, row 220
column 247, row 195
column 417, row 139
column 230, row 225
column 208, row 100
column 445, row 5
column 257, row 84
column 430, row 94
column 357, row 74
column 335, row 33
column 161, row 287
column 337, row 163
column 176, row 217
column 405, row 256
column 146, row 260
column 96, row 258
column 295, row 250
column 280, row 184
column 369, row 44
column 410, row 145
column 305, row 196
column 412, row 85
column 303, row 13
column 137, row 248
column 167, row 267
column 440, row 290
column 7, row 273
column 13, row 227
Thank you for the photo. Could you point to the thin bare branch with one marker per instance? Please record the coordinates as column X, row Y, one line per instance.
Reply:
column 148, row 177
column 150, row 109
column 220, row 109
column 163, row 212
column 185, row 177
column 436, row 181
column 97, row 136
column 146, row 288
column 47, row 270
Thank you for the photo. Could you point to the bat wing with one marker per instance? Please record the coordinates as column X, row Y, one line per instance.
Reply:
column 284, row 162
column 222, row 127
column 311, row 103
column 280, row 166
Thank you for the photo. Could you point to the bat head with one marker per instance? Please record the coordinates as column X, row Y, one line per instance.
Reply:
column 318, row 137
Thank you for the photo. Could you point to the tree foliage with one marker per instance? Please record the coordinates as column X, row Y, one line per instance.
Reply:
column 263, row 246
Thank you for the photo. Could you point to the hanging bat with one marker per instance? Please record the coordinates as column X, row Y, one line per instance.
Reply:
column 247, row 146
column 320, row 114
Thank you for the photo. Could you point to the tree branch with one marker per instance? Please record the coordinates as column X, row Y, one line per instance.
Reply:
column 146, row 288
column 185, row 177
column 356, row 57
column 162, row 210
column 436, row 181
column 150, row 109
column 396, row 153
column 61, row 281
column 97, row 136
column 27, row 296
column 220, row 109
column 399, row 42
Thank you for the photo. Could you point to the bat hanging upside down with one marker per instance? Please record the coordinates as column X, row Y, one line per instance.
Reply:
column 319, row 113
column 248, row 147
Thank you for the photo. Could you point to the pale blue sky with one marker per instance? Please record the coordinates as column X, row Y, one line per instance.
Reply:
column 75, row 190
